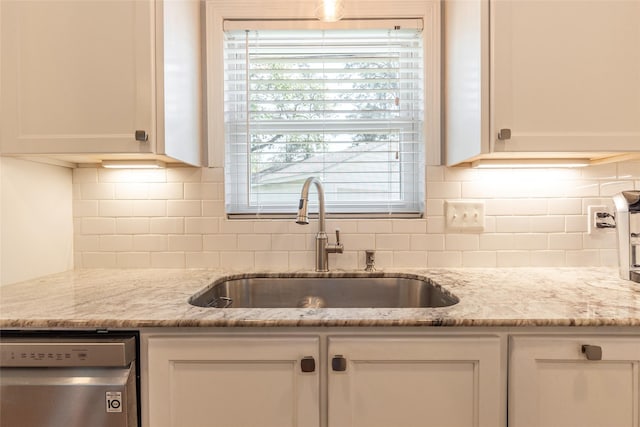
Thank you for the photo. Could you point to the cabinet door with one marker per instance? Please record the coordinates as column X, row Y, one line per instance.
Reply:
column 232, row 382
column 553, row 384
column 566, row 75
column 411, row 382
column 77, row 76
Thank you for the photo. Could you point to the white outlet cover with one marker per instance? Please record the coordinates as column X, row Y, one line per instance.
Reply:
column 591, row 217
column 464, row 216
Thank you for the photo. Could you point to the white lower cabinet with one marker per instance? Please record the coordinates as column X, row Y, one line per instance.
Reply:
column 411, row 382
column 406, row 381
column 553, row 383
column 232, row 382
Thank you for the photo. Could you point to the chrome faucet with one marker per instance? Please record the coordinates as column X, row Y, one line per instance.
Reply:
column 323, row 248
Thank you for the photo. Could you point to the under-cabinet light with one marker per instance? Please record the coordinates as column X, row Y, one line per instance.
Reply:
column 330, row 10
column 133, row 164
column 529, row 163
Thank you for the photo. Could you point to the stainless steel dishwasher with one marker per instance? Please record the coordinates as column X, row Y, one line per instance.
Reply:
column 68, row 379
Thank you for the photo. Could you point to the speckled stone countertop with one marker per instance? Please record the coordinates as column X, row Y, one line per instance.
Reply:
column 159, row 298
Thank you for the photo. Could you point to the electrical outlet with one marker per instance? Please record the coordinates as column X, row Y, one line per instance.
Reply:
column 591, row 217
column 464, row 216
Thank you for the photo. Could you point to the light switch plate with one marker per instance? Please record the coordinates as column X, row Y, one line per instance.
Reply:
column 464, row 216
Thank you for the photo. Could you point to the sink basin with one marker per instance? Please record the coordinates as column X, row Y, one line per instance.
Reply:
column 323, row 290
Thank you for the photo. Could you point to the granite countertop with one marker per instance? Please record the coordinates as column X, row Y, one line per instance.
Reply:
column 158, row 298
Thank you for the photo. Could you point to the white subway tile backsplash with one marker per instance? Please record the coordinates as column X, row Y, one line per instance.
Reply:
column 462, row 242
column 611, row 188
column 532, row 241
column 238, row 261
column 115, row 243
column 184, row 208
column 575, row 223
column 168, row 260
column 409, row 258
column 444, row 259
column 582, row 258
column 150, row 208
column 220, row 242
column 393, row 242
column 88, row 175
column 150, row 243
column 115, row 208
column 288, row 242
column 479, row 259
column 547, row 258
column 358, row 242
column 629, row 170
column 162, row 225
column 91, row 225
column 84, row 208
column 513, row 259
column 132, row 190
column 97, row 191
column 165, row 191
column 567, row 241
column 201, row 225
column 133, row 260
column 409, row 226
column 201, row 191
column 565, row 206
column 183, row 174
column 427, row 242
column 272, row 261
column 497, row 241
column 176, row 218
column 375, row 226
column 132, row 225
column 254, row 242
column 99, row 260
column 547, row 224
column 202, row 259
column 185, row 242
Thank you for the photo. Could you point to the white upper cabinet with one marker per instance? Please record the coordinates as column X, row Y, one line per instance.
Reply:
column 559, row 78
column 85, row 81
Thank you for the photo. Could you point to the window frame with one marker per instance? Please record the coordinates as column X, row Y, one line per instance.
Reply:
column 217, row 11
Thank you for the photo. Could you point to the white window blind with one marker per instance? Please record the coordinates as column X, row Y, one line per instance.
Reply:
column 344, row 105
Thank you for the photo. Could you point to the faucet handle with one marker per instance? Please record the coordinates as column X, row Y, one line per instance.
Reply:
column 337, row 236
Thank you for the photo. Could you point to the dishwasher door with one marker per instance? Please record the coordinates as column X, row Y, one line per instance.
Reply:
column 69, row 397
column 68, row 379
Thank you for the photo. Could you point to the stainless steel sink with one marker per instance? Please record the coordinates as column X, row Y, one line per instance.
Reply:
column 323, row 290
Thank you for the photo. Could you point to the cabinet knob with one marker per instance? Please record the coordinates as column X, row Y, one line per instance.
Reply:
column 339, row 363
column 142, row 136
column 308, row 364
column 504, row 134
column 593, row 352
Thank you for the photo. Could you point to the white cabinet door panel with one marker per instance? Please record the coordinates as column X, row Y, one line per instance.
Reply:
column 411, row 382
column 232, row 382
column 77, row 76
column 552, row 384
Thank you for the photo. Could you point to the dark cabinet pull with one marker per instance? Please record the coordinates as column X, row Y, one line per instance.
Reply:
column 142, row 136
column 504, row 134
column 308, row 364
column 593, row 352
column 339, row 363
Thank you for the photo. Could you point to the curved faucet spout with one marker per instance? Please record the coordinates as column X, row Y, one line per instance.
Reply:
column 323, row 248
column 303, row 211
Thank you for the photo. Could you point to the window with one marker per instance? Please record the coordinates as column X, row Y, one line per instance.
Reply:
column 348, row 102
